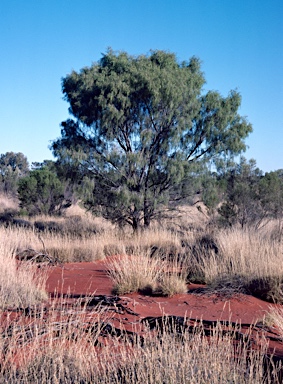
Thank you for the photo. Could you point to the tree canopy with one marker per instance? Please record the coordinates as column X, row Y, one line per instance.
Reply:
column 13, row 166
column 41, row 192
column 244, row 195
column 142, row 127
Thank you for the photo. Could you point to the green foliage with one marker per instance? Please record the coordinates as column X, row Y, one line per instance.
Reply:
column 13, row 166
column 271, row 189
column 250, row 196
column 142, row 131
column 242, row 199
column 41, row 192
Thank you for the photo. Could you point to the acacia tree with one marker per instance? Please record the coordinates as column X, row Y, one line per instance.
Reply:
column 243, row 198
column 141, row 129
column 41, row 192
column 13, row 166
column 250, row 197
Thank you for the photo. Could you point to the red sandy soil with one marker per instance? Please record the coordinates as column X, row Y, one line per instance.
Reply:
column 83, row 280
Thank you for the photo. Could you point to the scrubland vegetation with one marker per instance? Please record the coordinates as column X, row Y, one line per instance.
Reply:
column 20, row 284
column 150, row 155
column 159, row 261
column 162, row 259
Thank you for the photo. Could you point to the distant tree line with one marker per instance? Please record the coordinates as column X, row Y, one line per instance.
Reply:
column 237, row 194
column 242, row 194
column 39, row 189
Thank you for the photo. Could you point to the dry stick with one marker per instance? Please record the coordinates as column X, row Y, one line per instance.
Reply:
column 36, row 254
column 45, row 252
column 24, row 255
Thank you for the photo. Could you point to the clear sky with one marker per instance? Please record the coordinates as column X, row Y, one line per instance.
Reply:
column 240, row 44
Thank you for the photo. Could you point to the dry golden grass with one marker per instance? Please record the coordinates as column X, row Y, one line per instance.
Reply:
column 188, row 359
column 85, row 238
column 59, row 348
column 70, row 355
column 248, row 260
column 64, row 247
column 193, row 217
column 141, row 272
column 245, row 260
column 235, row 259
column 134, row 273
column 8, row 203
column 172, row 284
column 275, row 318
column 21, row 284
column 77, row 211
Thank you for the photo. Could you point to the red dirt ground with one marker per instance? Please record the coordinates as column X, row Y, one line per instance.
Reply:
column 84, row 279
column 80, row 279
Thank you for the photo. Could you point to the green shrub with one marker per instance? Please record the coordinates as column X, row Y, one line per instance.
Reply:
column 41, row 192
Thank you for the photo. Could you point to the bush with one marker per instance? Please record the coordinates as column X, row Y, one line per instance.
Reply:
column 134, row 273
column 42, row 193
column 172, row 284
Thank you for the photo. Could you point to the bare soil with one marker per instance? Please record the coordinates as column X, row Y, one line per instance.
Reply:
column 90, row 283
column 84, row 280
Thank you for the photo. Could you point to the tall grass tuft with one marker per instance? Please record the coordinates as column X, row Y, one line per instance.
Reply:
column 247, row 260
column 133, row 273
column 21, row 284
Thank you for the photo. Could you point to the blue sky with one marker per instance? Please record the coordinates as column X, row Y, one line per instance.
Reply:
column 240, row 44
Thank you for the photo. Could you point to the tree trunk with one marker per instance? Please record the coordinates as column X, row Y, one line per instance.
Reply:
column 136, row 221
column 146, row 214
column 146, row 202
column 135, row 225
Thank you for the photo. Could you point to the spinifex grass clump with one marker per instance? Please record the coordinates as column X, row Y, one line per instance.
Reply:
column 247, row 260
column 142, row 273
column 171, row 284
column 134, row 273
column 21, row 284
